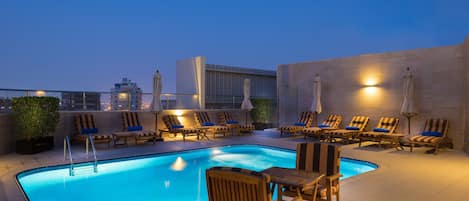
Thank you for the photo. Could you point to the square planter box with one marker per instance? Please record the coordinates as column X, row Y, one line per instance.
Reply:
column 35, row 145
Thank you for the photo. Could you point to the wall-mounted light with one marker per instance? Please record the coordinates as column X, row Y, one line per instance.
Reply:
column 123, row 96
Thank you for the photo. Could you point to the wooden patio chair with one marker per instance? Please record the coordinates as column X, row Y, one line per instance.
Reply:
column 434, row 133
column 354, row 128
column 132, row 124
column 305, row 120
column 236, row 184
column 203, row 121
column 386, row 126
column 226, row 119
column 323, row 158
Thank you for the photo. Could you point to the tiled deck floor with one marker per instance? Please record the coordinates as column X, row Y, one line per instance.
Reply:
column 401, row 176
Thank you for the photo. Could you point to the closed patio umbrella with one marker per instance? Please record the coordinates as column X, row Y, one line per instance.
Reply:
column 408, row 108
column 156, row 102
column 246, row 104
column 316, row 107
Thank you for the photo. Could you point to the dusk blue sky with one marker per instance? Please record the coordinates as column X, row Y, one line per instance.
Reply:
column 91, row 44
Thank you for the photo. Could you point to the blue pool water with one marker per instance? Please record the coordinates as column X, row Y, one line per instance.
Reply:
column 176, row 176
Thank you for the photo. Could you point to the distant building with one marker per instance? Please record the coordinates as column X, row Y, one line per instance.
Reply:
column 126, row 95
column 81, row 101
column 202, row 85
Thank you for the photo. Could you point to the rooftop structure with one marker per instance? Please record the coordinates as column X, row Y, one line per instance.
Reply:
column 126, row 95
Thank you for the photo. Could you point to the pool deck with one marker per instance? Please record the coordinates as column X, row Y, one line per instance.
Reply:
column 401, row 175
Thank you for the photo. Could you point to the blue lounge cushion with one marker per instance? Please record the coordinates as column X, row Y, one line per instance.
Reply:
column 353, row 128
column 208, row 124
column 89, row 130
column 177, row 126
column 300, row 124
column 381, row 130
column 323, row 126
column 232, row 122
column 134, row 128
column 432, row 133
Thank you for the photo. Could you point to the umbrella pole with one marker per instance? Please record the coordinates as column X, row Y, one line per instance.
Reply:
column 408, row 125
column 246, row 118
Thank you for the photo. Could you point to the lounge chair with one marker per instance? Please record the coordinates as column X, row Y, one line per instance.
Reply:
column 332, row 122
column 85, row 126
column 203, row 121
column 354, row 128
column 226, row 119
column 132, row 124
column 434, row 133
column 323, row 158
column 386, row 127
column 236, row 184
column 174, row 126
column 304, row 120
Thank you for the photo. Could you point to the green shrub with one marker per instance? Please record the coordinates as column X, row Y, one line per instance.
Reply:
column 262, row 110
column 35, row 116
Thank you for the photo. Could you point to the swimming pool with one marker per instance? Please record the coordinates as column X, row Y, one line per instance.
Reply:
column 176, row 176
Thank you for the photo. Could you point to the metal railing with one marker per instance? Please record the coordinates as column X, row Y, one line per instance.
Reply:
column 106, row 101
column 95, row 162
column 67, row 146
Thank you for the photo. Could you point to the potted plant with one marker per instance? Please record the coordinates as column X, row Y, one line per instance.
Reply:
column 261, row 113
column 35, row 118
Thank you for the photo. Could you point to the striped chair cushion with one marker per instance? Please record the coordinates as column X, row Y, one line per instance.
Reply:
column 359, row 121
column 201, row 118
column 146, row 133
column 318, row 157
column 333, row 121
column 306, row 118
column 248, row 127
column 432, row 125
column 219, row 128
column 170, row 121
column 388, row 123
column 426, row 139
column 225, row 117
column 290, row 128
column 311, row 130
column 86, row 121
column 130, row 119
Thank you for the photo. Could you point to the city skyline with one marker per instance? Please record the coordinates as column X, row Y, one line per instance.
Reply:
column 87, row 45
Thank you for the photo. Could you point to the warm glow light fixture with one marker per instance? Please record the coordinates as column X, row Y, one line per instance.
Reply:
column 123, row 96
column 40, row 93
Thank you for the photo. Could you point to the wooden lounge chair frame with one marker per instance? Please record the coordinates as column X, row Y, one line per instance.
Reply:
column 349, row 135
column 226, row 117
column 203, row 117
column 438, row 125
column 172, row 120
column 304, row 117
column 131, row 119
column 85, row 121
column 236, row 184
column 332, row 120
column 389, row 123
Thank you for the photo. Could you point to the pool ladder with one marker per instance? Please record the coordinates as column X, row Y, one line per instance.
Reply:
column 68, row 149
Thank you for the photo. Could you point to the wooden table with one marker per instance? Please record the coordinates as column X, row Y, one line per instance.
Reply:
column 125, row 135
column 301, row 180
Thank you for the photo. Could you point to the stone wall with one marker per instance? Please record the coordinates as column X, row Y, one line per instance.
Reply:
column 107, row 122
column 372, row 85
